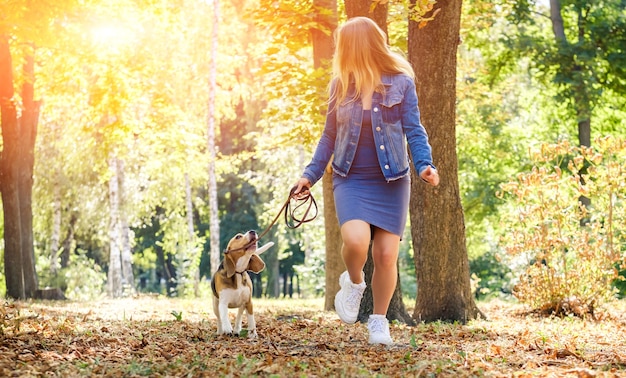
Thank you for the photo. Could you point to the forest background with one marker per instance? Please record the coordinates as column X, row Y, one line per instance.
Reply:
column 150, row 119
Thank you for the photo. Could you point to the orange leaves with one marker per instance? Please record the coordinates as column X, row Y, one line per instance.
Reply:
column 297, row 338
column 565, row 249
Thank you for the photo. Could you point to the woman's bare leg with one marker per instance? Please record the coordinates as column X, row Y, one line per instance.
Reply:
column 356, row 239
column 385, row 254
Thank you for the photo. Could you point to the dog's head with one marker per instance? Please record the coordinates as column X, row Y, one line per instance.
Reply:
column 241, row 254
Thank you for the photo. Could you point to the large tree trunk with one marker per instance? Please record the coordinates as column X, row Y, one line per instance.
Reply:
column 397, row 310
column 16, row 175
column 8, row 179
column 437, row 224
column 322, row 56
column 28, row 134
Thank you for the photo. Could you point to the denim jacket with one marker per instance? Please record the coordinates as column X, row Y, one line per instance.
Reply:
column 395, row 121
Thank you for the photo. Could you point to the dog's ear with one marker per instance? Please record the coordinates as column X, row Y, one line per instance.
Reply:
column 229, row 265
column 256, row 265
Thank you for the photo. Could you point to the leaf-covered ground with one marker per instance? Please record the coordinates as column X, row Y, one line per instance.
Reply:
column 160, row 337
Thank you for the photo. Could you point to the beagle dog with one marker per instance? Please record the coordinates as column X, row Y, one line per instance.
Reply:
column 231, row 284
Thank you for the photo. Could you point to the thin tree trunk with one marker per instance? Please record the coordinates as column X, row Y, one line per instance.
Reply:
column 583, row 108
column 192, row 237
column 557, row 20
column 213, row 205
column 437, row 224
column 128, row 278
column 115, row 276
column 68, row 242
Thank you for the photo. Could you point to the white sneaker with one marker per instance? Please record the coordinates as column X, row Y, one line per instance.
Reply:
column 378, row 325
column 348, row 298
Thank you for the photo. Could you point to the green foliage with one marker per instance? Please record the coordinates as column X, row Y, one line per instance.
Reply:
column 81, row 280
column 565, row 253
column 490, row 276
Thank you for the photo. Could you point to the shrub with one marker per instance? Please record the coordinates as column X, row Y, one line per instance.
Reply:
column 568, row 254
column 82, row 280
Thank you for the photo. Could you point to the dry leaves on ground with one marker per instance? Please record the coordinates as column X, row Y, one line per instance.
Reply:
column 161, row 337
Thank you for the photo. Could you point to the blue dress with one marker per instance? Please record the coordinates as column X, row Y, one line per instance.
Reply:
column 364, row 193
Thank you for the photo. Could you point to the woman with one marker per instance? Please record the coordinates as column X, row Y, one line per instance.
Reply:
column 372, row 114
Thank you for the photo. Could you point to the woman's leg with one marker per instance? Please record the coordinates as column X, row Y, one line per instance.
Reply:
column 385, row 277
column 356, row 236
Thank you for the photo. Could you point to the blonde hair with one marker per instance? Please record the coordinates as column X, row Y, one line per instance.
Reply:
column 363, row 55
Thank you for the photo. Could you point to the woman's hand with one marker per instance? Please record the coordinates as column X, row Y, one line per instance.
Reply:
column 430, row 175
column 302, row 186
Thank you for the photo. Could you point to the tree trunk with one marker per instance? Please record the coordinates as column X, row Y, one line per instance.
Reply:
column 322, row 56
column 28, row 133
column 332, row 233
column 355, row 8
column 115, row 276
column 128, row 278
column 437, row 224
column 8, row 178
column 215, row 252
column 397, row 310
column 16, row 174
column 68, row 243
column 192, row 238
column 581, row 100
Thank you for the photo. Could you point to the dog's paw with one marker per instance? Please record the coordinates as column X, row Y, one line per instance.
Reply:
column 227, row 329
column 252, row 334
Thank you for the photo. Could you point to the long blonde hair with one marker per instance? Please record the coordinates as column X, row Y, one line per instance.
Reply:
column 363, row 55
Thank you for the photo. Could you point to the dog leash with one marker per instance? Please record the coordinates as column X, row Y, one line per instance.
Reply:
column 291, row 220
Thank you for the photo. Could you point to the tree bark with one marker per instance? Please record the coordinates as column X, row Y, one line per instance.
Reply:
column 128, row 278
column 8, row 176
column 192, row 237
column 581, row 98
column 16, row 174
column 28, row 133
column 322, row 57
column 115, row 276
column 437, row 223
column 356, row 8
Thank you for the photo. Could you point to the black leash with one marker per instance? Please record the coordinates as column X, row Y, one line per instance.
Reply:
column 290, row 208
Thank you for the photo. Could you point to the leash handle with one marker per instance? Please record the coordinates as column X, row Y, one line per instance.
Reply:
column 300, row 201
column 290, row 213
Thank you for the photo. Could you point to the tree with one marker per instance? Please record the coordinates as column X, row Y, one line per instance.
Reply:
column 396, row 311
column 322, row 56
column 16, row 172
column 437, row 225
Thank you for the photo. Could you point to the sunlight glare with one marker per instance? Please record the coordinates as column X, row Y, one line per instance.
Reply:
column 111, row 35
